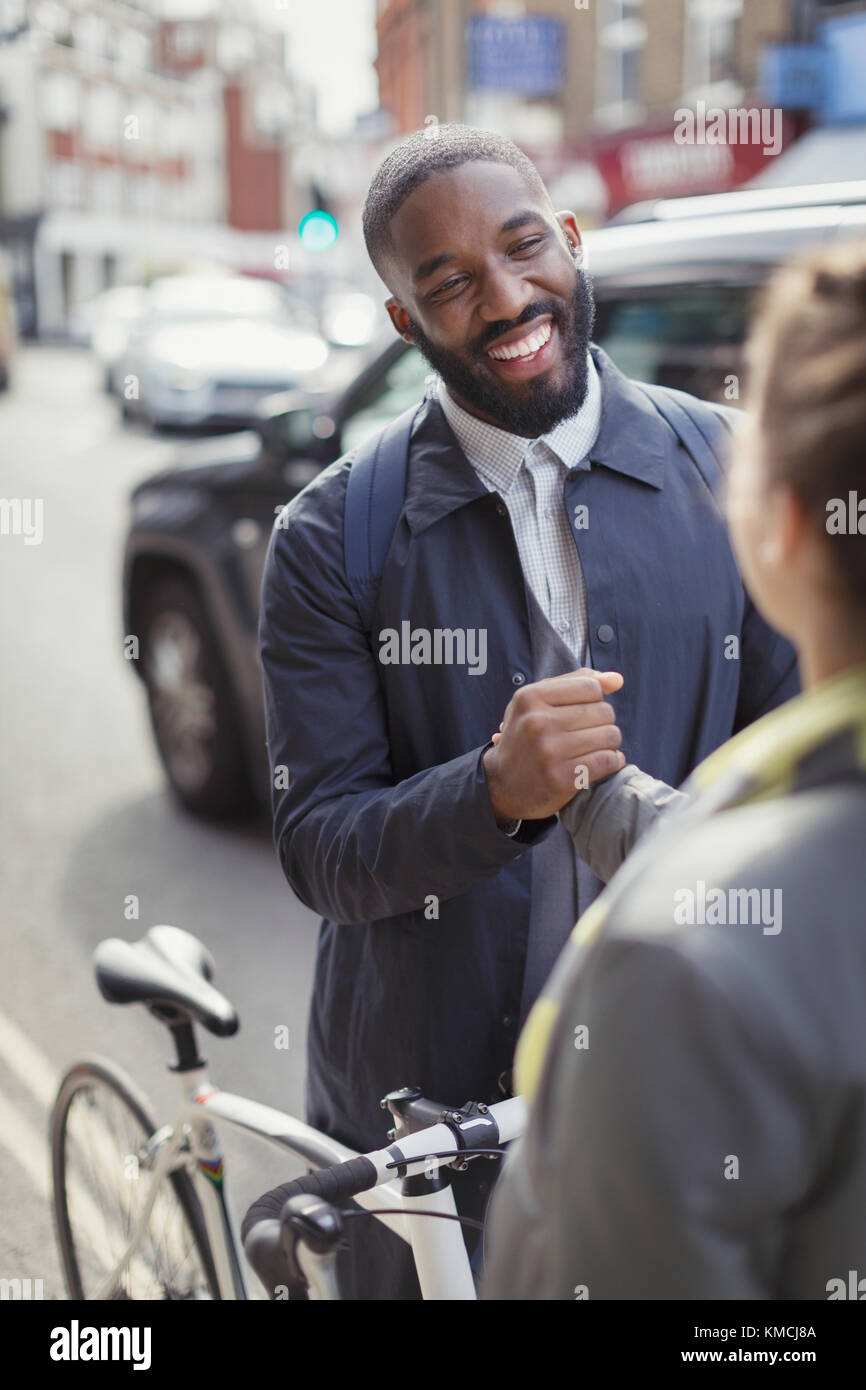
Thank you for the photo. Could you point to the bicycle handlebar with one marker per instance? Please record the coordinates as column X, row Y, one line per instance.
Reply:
column 332, row 1184
column 459, row 1133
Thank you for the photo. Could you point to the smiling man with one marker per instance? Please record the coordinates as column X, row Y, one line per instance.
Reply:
column 550, row 507
column 523, row 379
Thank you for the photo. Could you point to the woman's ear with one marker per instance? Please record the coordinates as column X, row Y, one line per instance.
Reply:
column 790, row 525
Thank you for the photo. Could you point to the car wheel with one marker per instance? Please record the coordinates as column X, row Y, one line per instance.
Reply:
column 191, row 704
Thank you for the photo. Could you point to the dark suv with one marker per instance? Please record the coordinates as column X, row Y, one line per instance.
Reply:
column 674, row 282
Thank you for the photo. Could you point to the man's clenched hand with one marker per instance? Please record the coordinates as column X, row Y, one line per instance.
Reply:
column 551, row 730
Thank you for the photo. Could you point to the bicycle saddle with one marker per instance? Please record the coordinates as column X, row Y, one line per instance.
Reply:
column 167, row 967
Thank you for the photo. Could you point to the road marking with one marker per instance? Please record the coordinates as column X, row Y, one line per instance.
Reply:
column 29, row 1147
column 33, row 1069
column 26, row 1145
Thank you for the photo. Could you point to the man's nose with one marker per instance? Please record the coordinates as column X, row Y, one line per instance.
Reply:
column 504, row 295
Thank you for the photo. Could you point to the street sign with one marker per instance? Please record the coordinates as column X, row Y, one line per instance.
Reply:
column 516, row 55
column 793, row 75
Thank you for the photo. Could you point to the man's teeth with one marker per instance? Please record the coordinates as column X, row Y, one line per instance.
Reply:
column 525, row 347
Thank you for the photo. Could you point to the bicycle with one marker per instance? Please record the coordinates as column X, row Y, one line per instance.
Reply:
column 165, row 1188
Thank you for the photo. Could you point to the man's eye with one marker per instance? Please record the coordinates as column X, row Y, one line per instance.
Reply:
column 531, row 241
column 443, row 289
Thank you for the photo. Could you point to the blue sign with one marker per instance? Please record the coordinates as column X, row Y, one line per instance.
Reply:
column 526, row 56
column 793, row 75
column 844, row 40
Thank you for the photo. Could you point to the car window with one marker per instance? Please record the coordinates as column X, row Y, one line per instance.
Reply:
column 387, row 396
column 687, row 336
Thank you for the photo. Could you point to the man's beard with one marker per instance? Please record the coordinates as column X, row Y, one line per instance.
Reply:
column 536, row 405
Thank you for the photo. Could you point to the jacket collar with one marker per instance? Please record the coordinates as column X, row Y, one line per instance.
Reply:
column 441, row 478
column 632, row 439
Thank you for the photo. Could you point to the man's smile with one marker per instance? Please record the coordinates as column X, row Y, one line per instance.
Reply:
column 525, row 352
column 524, row 376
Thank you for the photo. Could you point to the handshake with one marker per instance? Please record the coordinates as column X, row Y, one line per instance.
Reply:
column 558, row 736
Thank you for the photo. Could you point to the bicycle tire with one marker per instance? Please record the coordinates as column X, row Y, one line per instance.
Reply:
column 99, row 1072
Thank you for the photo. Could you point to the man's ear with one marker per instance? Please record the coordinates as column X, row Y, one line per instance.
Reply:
column 568, row 223
column 399, row 318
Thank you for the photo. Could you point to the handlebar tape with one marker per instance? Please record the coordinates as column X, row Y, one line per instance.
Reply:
column 331, row 1184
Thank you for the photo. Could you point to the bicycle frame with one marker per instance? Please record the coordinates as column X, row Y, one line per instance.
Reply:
column 441, row 1259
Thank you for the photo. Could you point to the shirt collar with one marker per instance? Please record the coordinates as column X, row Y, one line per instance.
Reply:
column 633, row 439
column 497, row 454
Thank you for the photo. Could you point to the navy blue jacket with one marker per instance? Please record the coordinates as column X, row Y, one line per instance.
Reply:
column 386, row 818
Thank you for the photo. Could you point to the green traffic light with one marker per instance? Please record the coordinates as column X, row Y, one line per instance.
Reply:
column 318, row 230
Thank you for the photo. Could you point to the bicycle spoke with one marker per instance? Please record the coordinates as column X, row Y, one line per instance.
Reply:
column 105, row 1201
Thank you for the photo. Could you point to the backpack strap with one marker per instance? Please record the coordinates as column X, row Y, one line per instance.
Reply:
column 375, row 493
column 703, row 430
column 376, row 489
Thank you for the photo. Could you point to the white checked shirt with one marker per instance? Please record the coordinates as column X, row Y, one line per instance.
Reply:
column 529, row 475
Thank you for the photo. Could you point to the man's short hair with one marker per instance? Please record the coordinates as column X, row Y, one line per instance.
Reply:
column 421, row 154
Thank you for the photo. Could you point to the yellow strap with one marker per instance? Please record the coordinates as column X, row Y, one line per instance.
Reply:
column 534, row 1038
column 532, row 1045
column 769, row 750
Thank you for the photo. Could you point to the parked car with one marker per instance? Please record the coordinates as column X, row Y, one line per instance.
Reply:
column 208, row 348
column 673, row 293
column 349, row 318
column 106, row 323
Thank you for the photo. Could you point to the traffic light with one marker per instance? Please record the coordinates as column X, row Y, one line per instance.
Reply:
column 319, row 228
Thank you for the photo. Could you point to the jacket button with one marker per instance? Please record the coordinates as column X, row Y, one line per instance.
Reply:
column 518, row 678
column 501, row 508
column 604, row 633
column 507, row 1021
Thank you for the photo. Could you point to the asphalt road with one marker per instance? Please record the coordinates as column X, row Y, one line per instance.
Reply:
column 86, row 820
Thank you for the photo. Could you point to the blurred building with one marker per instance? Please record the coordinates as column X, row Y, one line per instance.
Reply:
column 820, row 74
column 591, row 88
column 131, row 143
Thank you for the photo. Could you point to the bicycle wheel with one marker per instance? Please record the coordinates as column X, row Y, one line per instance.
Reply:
column 100, row 1128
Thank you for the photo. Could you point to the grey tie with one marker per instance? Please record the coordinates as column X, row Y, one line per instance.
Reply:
column 562, row 885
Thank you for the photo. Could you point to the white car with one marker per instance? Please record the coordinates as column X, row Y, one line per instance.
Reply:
column 210, row 348
column 106, row 323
